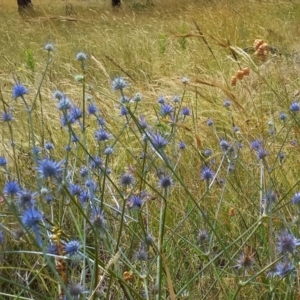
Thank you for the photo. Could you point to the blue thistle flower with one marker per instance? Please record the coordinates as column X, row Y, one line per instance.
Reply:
column 210, row 122
column 58, row 95
column 119, row 84
column 283, row 269
column 141, row 255
column 89, row 183
column 64, row 103
column 52, row 249
column 49, row 168
column 295, row 106
column 98, row 219
column 26, row 199
column 207, row 152
column 226, row 103
column 207, row 174
column 261, row 153
column 296, row 198
column 255, row 145
column 282, row 116
column 101, row 135
column 49, row 146
column 75, row 189
column 143, row 122
column 165, row 182
column 96, row 162
column 3, row 161
column 92, row 109
column 108, row 151
column 181, row 145
column 158, row 140
column 49, row 47
column 161, row 100
column 176, row 99
column 84, row 197
column 123, row 111
column 81, row 56
column 72, row 247
column 11, row 188
column 137, row 97
column 166, row 109
column 31, row 218
column 84, row 171
column 186, row 111
column 6, row 117
column 19, row 91
column 135, row 201
column 287, row 243
column 1, row 237
column 225, row 146
column 127, row 179
column 75, row 114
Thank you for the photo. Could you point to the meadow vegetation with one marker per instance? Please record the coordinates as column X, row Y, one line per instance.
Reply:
column 151, row 151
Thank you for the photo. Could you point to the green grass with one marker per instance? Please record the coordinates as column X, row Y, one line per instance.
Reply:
column 152, row 47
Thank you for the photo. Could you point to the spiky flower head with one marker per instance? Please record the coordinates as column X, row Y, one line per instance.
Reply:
column 166, row 109
column 49, row 168
column 49, row 146
column 158, row 141
column 296, row 198
column 11, row 188
column 295, row 106
column 64, row 103
column 137, row 97
column 6, row 117
column 81, row 56
column 176, row 99
column 209, row 122
column 96, row 162
column 3, row 161
column 225, row 146
column 119, row 84
column 72, row 247
column 108, row 151
column 161, row 99
column 202, row 237
column 181, row 145
column 49, row 47
column 75, row 189
column 282, row 116
column 58, row 95
column 135, row 201
column 207, row 174
column 282, row 269
column 261, row 153
column 92, row 109
column 245, row 261
column 287, row 243
column 127, row 179
column 226, row 103
column 31, row 217
column 98, row 219
column 26, row 199
column 165, row 181
column 75, row 114
column 141, row 255
column 185, row 111
column 101, row 135
column 19, row 91
column 256, row 145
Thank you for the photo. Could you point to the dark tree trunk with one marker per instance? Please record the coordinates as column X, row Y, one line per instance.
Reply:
column 116, row 3
column 24, row 3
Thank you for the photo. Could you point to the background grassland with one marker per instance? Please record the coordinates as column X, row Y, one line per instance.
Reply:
column 153, row 46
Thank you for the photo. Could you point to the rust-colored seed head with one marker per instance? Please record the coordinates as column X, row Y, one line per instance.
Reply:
column 257, row 43
column 246, row 71
column 233, row 81
column 239, row 75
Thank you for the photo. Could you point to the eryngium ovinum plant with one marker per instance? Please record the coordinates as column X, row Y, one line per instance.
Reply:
column 75, row 224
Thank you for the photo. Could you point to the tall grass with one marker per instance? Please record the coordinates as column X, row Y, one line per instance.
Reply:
column 150, row 152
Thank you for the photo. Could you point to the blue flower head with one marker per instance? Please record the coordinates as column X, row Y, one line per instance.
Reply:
column 75, row 189
column 49, row 146
column 135, row 201
column 296, row 198
column 181, row 145
column 49, row 168
column 31, row 217
column 3, row 161
column 295, row 106
column 158, row 140
column 92, row 109
column 226, row 103
column 96, row 162
column 6, row 117
column 209, row 122
column 75, row 114
column 123, row 111
column 49, row 47
column 166, row 109
column 185, row 111
column 165, row 182
column 11, row 188
column 127, row 179
column 72, row 247
column 119, row 84
column 287, row 243
column 81, row 56
column 58, row 95
column 101, row 135
column 64, row 103
column 26, row 199
column 19, row 91
column 207, row 174
column 161, row 100
column 283, row 269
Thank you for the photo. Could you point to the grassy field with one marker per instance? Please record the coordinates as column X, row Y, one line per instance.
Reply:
column 151, row 151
